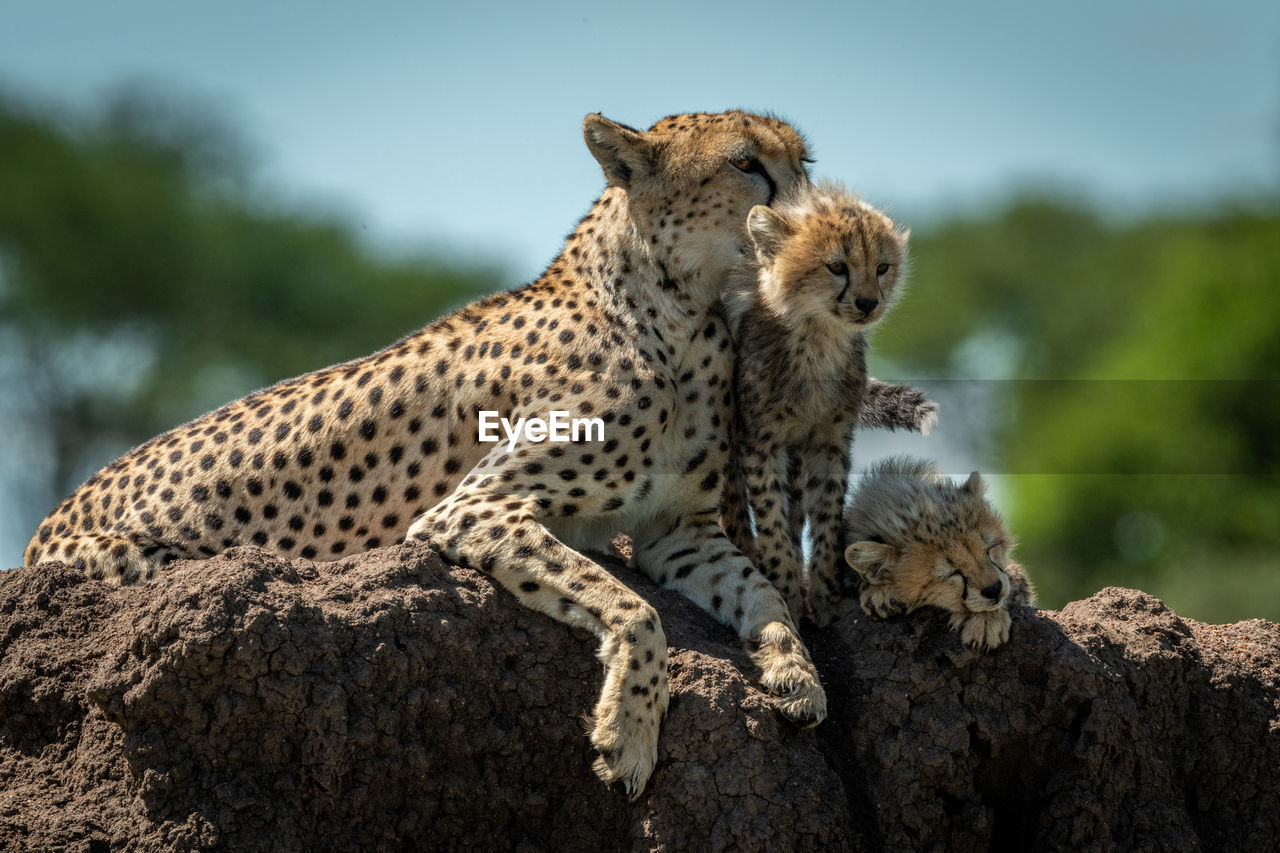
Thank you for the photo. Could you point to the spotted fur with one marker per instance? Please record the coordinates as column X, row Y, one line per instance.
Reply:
column 917, row 539
column 826, row 266
column 625, row 325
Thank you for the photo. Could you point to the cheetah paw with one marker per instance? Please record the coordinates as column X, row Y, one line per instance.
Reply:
column 629, row 761
column 985, row 630
column 823, row 602
column 877, row 601
column 787, row 672
column 928, row 414
column 795, row 603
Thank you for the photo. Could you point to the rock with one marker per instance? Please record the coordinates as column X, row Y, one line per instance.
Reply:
column 390, row 701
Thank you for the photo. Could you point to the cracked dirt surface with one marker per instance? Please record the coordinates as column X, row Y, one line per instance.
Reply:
column 392, row 702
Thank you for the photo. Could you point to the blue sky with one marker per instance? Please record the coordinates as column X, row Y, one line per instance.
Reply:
column 457, row 125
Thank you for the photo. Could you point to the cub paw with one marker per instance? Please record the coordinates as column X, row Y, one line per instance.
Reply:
column 927, row 415
column 823, row 601
column 826, row 592
column 786, row 580
column 795, row 603
column 787, row 672
column 878, row 602
column 986, row 630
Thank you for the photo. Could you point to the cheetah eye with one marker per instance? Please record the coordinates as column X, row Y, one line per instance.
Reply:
column 993, row 557
column 881, row 269
column 839, row 268
column 752, row 166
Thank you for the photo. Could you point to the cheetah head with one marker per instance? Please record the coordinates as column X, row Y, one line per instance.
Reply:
column 826, row 255
column 690, row 180
column 917, row 540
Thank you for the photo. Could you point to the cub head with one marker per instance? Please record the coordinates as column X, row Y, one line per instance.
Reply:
column 918, row 539
column 824, row 254
column 689, row 181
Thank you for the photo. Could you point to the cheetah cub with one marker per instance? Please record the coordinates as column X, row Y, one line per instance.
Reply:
column 919, row 540
column 826, row 266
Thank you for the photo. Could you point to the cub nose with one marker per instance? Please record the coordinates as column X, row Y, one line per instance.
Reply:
column 866, row 304
column 993, row 592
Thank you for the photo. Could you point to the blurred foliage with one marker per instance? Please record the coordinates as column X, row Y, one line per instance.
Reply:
column 142, row 282
column 1131, row 371
column 1141, row 365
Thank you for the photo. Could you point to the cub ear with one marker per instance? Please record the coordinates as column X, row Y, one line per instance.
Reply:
column 974, row 485
column 622, row 151
column 768, row 231
column 873, row 560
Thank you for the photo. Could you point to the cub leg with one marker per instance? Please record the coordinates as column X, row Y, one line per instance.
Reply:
column 777, row 552
column 897, row 407
column 735, row 513
column 795, row 502
column 825, row 477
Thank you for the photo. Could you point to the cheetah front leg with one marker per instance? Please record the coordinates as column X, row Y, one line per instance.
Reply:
column 825, row 476
column 692, row 556
column 500, row 535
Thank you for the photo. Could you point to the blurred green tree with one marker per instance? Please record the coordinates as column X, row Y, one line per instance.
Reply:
column 143, row 282
column 1141, row 365
column 1132, row 369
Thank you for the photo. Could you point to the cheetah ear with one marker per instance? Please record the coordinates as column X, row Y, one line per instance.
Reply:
column 622, row 151
column 873, row 560
column 768, row 231
column 974, row 485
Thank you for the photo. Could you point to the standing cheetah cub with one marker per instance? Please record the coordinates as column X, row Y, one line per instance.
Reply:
column 827, row 265
column 918, row 540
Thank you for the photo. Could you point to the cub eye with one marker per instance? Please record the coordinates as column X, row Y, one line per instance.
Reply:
column 993, row 557
column 881, row 269
column 839, row 268
column 746, row 164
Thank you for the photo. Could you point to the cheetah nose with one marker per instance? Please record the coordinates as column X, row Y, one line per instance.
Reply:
column 994, row 591
column 866, row 304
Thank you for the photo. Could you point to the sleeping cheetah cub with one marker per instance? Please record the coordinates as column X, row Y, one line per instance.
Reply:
column 827, row 265
column 918, row 540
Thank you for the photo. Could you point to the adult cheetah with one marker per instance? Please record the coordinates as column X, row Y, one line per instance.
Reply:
column 625, row 326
